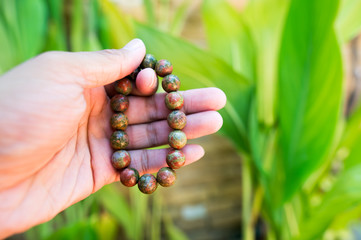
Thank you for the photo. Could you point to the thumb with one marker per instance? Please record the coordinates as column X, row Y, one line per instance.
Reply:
column 103, row 67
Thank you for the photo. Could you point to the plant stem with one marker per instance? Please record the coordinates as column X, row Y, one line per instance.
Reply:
column 257, row 203
column 292, row 220
column 247, row 226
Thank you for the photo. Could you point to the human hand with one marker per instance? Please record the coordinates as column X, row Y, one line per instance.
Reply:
column 55, row 130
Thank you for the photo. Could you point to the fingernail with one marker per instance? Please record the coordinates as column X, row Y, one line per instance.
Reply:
column 153, row 82
column 134, row 44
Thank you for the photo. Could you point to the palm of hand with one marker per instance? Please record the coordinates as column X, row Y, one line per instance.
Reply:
column 59, row 152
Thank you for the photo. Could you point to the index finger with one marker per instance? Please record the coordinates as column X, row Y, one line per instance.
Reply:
column 149, row 109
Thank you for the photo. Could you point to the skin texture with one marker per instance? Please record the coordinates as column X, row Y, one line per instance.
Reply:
column 147, row 183
column 174, row 100
column 129, row 177
column 123, row 86
column 166, row 177
column 177, row 120
column 175, row 159
column 133, row 75
column 171, row 83
column 121, row 159
column 54, row 128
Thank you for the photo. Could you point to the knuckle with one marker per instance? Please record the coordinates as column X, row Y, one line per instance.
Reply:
column 144, row 161
column 151, row 134
column 152, row 107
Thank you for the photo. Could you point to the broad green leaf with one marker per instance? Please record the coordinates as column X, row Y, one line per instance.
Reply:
column 56, row 39
column 139, row 204
column 32, row 19
column 173, row 233
column 80, row 230
column 349, row 19
column 228, row 37
column 7, row 48
column 149, row 10
column 22, row 30
column 116, row 205
column 77, row 26
column 116, row 29
column 266, row 20
column 106, row 227
column 179, row 18
column 198, row 68
column 344, row 196
column 310, row 89
column 350, row 146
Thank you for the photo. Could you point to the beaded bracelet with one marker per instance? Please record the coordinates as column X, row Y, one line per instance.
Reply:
column 177, row 139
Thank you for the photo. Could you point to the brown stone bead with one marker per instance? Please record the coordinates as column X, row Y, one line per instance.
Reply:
column 177, row 139
column 123, row 86
column 171, row 83
column 119, row 103
column 176, row 159
column 120, row 159
column 163, row 68
column 129, row 177
column 174, row 100
column 147, row 183
column 119, row 121
column 134, row 74
column 166, row 177
column 119, row 140
column 177, row 119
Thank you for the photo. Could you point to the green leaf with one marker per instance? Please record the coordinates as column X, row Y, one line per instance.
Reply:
column 179, row 18
column 350, row 147
column 116, row 205
column 228, row 37
column 22, row 30
column 310, row 84
column 32, row 19
column 266, row 20
column 106, row 227
column 80, row 230
column 149, row 10
column 344, row 196
column 349, row 19
column 56, row 39
column 115, row 28
column 198, row 68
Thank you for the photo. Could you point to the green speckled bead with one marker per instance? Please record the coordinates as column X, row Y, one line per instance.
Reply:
column 163, row 68
column 123, row 86
column 134, row 74
column 166, row 177
column 177, row 119
column 171, row 83
column 147, row 183
column 119, row 121
column 177, row 139
column 129, row 177
column 149, row 61
column 119, row 140
column 120, row 159
column 174, row 100
column 176, row 159
column 119, row 103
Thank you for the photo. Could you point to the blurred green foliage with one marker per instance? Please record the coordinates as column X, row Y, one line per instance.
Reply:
column 280, row 64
